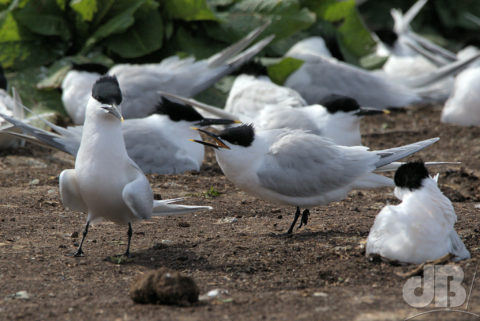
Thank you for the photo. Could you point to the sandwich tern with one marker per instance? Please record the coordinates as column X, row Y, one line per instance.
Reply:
column 463, row 105
column 336, row 117
column 298, row 168
column 105, row 182
column 420, row 228
column 139, row 83
column 157, row 143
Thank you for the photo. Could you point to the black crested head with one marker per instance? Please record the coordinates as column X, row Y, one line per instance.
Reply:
column 387, row 36
column 3, row 80
column 177, row 112
column 107, row 91
column 335, row 103
column 90, row 67
column 241, row 135
column 411, row 175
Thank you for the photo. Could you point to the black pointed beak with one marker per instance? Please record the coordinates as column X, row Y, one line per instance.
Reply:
column 216, row 121
column 367, row 111
column 204, row 143
column 218, row 141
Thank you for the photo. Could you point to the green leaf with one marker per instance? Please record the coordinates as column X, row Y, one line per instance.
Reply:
column 279, row 72
column 189, row 10
column 57, row 71
column 217, row 94
column 62, row 4
column 144, row 37
column 372, row 61
column 220, row 3
column 452, row 14
column 24, row 81
column 85, row 8
column 43, row 17
column 55, row 80
column 353, row 37
column 19, row 48
column 287, row 18
column 122, row 18
column 195, row 43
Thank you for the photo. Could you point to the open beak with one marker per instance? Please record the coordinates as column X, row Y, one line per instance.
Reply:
column 218, row 141
column 367, row 111
column 216, row 121
column 113, row 109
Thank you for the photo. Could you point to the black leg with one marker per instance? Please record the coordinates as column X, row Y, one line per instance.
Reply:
column 297, row 215
column 304, row 219
column 129, row 233
column 79, row 251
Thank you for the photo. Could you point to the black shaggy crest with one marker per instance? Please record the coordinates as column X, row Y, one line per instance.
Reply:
column 177, row 112
column 107, row 91
column 3, row 80
column 241, row 135
column 335, row 103
column 90, row 67
column 410, row 175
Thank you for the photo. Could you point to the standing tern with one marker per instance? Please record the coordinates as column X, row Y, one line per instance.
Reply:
column 298, row 168
column 105, row 182
column 157, row 143
column 139, row 83
column 420, row 228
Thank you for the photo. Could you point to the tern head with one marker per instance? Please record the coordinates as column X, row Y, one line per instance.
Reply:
column 339, row 103
column 410, row 175
column 242, row 136
column 106, row 91
column 3, row 80
column 181, row 112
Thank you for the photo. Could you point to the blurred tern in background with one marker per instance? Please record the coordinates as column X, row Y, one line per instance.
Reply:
column 321, row 76
column 106, row 183
column 337, row 117
column 298, row 168
column 463, row 105
column 139, row 83
column 421, row 227
column 407, row 57
column 250, row 94
column 157, row 143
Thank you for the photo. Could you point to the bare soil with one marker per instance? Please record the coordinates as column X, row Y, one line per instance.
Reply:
column 318, row 273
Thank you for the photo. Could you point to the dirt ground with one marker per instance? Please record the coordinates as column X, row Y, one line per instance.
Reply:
column 318, row 273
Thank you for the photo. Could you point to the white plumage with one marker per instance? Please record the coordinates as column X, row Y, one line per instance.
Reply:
column 419, row 229
column 299, row 168
column 139, row 83
column 106, row 183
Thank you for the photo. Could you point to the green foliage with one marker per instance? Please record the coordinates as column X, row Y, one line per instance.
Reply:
column 212, row 192
column 280, row 71
column 354, row 40
column 40, row 39
column 144, row 37
column 189, row 10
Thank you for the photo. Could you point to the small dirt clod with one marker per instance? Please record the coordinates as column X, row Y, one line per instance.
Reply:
column 164, row 286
